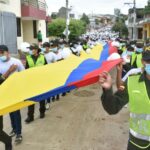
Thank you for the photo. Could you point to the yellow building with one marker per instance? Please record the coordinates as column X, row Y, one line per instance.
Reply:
column 146, row 29
column 146, row 22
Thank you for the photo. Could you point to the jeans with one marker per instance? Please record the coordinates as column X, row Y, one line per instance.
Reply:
column 15, row 118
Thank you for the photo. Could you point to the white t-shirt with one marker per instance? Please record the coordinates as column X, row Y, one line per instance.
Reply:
column 63, row 53
column 4, row 66
column 50, row 57
column 59, row 54
column 130, row 72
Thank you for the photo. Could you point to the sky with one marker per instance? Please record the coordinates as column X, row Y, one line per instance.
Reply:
column 94, row 6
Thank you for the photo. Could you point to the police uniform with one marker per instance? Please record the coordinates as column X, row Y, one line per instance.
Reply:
column 137, row 93
column 32, row 61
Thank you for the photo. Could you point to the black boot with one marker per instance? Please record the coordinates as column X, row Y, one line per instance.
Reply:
column 42, row 115
column 29, row 119
column 53, row 99
column 57, row 97
column 64, row 94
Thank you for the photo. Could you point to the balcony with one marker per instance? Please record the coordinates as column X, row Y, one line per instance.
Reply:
column 33, row 9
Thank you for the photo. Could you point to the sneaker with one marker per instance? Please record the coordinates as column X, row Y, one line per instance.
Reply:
column 18, row 139
column 126, row 106
column 63, row 94
column 12, row 133
column 42, row 115
column 29, row 119
column 47, row 106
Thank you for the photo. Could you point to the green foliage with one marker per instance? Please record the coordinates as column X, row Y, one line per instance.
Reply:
column 54, row 15
column 76, row 28
column 85, row 19
column 120, row 27
column 147, row 8
column 57, row 27
column 97, row 21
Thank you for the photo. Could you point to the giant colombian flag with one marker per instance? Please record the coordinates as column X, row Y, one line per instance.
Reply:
column 33, row 85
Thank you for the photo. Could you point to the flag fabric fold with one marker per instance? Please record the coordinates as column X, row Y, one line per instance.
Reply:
column 33, row 85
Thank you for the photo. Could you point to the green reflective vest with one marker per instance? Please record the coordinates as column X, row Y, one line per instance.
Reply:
column 138, row 60
column 40, row 61
column 85, row 46
column 139, row 104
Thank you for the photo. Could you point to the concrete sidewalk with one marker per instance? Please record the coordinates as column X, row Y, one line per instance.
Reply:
column 76, row 122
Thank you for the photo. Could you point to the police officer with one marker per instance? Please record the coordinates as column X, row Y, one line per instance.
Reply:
column 137, row 93
column 136, row 56
column 34, row 60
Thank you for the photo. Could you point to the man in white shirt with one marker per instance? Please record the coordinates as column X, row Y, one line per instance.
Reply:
column 50, row 56
column 9, row 65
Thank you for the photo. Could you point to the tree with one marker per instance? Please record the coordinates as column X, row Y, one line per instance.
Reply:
column 54, row 15
column 85, row 19
column 120, row 27
column 97, row 21
column 76, row 28
column 57, row 27
column 147, row 8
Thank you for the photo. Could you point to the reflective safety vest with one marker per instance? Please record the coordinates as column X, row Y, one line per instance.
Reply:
column 85, row 46
column 139, row 104
column 138, row 58
column 40, row 61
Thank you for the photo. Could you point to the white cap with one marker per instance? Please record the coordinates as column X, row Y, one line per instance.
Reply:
column 113, row 56
column 25, row 47
column 115, row 43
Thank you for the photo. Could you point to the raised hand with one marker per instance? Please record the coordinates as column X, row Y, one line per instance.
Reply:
column 105, row 80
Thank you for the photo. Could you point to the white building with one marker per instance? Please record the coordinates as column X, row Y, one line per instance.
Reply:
column 30, row 18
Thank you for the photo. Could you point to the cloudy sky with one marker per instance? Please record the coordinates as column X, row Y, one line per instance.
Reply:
column 94, row 6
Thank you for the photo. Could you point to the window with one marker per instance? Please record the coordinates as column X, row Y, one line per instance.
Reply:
column 18, row 27
column 34, row 29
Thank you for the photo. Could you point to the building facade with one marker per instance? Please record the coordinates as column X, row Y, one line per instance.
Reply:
column 139, row 27
column 30, row 15
column 62, row 13
column 146, row 22
column 142, row 23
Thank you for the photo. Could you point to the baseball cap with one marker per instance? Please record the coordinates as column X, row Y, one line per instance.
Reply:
column 34, row 46
column 146, row 55
column 139, row 44
column 24, row 47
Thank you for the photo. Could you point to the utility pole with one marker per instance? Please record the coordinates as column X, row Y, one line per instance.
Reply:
column 134, row 22
column 134, row 18
column 67, row 21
